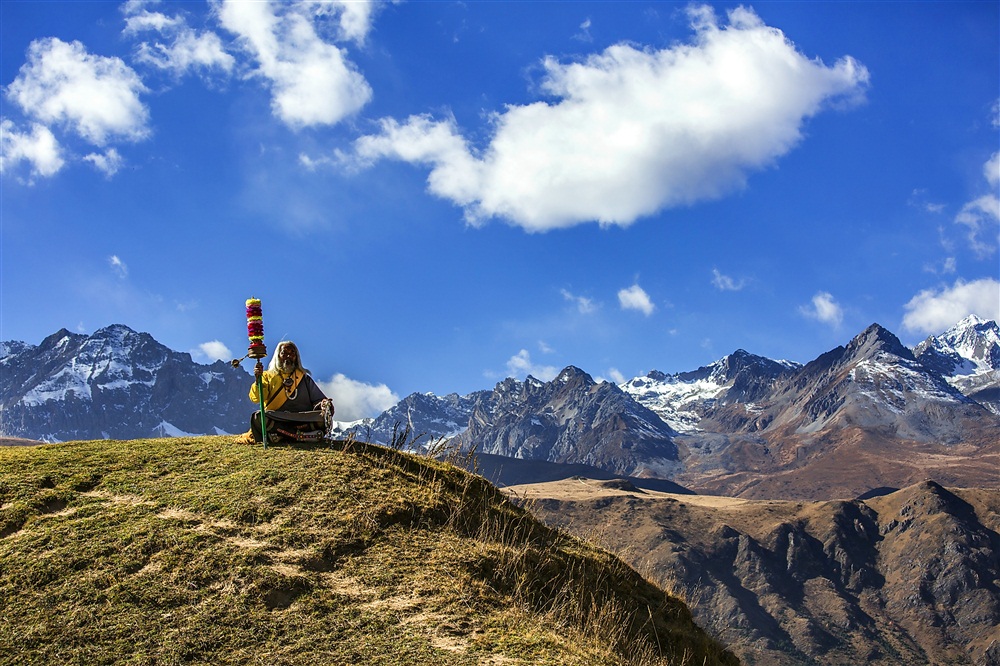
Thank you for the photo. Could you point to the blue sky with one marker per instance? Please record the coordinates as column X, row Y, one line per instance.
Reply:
column 432, row 196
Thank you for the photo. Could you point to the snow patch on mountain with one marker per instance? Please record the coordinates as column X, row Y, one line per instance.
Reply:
column 170, row 430
column 71, row 379
column 673, row 398
column 968, row 357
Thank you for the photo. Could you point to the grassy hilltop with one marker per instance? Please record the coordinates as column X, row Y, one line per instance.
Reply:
column 196, row 550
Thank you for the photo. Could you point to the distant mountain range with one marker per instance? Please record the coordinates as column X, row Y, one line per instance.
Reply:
column 115, row 384
column 872, row 413
column 867, row 414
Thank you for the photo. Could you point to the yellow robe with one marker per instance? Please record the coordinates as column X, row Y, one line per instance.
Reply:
column 274, row 397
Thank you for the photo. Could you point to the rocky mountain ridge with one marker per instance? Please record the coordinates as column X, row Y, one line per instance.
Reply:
column 116, row 384
column 572, row 419
column 863, row 415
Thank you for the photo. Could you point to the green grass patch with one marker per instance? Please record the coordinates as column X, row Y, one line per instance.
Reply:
column 198, row 551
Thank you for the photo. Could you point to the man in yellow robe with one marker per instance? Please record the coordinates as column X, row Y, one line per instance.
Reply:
column 295, row 405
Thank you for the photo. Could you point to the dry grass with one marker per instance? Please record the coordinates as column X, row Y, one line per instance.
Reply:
column 195, row 550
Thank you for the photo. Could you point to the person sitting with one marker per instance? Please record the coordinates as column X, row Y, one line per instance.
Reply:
column 295, row 406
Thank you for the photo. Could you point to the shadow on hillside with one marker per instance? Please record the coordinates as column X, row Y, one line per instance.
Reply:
column 501, row 471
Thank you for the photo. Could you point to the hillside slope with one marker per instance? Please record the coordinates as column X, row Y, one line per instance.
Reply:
column 195, row 550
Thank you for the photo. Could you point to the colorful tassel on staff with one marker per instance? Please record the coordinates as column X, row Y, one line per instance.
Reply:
column 257, row 350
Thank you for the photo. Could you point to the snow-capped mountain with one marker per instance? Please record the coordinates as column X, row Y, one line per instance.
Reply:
column 685, row 398
column 572, row 419
column 427, row 416
column 968, row 357
column 117, row 384
column 853, row 418
column 873, row 382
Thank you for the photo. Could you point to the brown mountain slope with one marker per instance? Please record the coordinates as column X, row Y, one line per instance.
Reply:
column 843, row 462
column 908, row 578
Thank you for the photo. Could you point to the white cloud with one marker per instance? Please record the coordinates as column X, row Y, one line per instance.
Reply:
column 933, row 311
column 991, row 170
column 726, row 283
column 109, row 162
column 583, row 304
column 630, row 131
column 824, row 309
column 520, row 365
column 311, row 80
column 354, row 17
column 39, row 148
column 982, row 215
column 184, row 48
column 139, row 19
column 213, row 350
column 188, row 50
column 614, row 376
column 96, row 97
column 355, row 400
column 118, row 266
column 636, row 298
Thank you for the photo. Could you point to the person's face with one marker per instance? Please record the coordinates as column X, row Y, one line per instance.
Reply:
column 287, row 354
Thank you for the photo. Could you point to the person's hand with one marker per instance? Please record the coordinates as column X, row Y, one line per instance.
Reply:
column 258, row 370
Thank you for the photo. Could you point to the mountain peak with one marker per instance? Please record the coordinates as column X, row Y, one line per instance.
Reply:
column 573, row 373
column 874, row 339
column 113, row 329
column 973, row 320
column 969, row 348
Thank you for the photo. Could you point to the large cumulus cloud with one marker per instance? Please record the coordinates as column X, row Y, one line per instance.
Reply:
column 630, row 131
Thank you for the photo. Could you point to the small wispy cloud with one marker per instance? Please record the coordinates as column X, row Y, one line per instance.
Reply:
column 947, row 266
column 982, row 215
column 214, row 350
column 109, row 162
column 583, row 304
column 175, row 46
column 520, row 365
column 636, row 298
column 919, row 200
column 118, row 266
column 614, row 376
column 726, row 283
column 825, row 309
